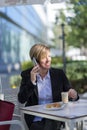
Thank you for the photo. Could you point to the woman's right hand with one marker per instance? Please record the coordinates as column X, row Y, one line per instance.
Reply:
column 34, row 72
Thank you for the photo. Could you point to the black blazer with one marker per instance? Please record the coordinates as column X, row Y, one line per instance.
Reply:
column 28, row 93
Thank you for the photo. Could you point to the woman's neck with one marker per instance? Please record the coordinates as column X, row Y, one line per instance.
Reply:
column 43, row 73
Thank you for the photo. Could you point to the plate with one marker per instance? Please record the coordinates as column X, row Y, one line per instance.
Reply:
column 54, row 106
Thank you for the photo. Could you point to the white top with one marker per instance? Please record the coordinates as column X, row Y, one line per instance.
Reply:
column 72, row 110
column 71, row 113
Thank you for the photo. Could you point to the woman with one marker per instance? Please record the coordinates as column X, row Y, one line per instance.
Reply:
column 43, row 84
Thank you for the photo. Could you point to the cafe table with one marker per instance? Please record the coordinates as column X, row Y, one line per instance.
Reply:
column 73, row 113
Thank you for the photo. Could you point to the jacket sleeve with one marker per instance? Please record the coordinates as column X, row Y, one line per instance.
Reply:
column 67, row 85
column 66, row 82
column 26, row 87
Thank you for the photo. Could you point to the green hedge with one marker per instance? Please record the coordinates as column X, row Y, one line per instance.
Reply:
column 77, row 74
column 26, row 64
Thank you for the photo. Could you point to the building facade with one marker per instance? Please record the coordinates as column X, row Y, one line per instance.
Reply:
column 20, row 28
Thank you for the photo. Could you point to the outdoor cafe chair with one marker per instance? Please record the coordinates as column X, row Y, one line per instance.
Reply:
column 6, row 115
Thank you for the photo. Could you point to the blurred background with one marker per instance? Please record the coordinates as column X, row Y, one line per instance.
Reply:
column 62, row 24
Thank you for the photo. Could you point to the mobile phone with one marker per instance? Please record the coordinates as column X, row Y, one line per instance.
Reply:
column 34, row 61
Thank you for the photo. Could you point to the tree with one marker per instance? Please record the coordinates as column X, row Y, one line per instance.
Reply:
column 77, row 35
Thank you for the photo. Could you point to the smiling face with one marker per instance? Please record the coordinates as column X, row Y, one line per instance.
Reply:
column 45, row 60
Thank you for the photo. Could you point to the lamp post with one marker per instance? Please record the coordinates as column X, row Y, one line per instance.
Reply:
column 63, row 45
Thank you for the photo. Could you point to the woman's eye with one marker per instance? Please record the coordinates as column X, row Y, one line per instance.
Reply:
column 49, row 56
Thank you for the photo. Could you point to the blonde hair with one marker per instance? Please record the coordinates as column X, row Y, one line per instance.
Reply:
column 38, row 51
